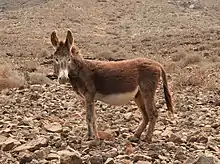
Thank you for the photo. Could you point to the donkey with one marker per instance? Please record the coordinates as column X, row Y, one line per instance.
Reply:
column 112, row 82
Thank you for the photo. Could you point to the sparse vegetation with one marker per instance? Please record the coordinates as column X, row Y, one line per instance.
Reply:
column 179, row 56
column 215, row 58
column 191, row 59
column 194, row 77
column 10, row 78
column 181, row 37
column 37, row 78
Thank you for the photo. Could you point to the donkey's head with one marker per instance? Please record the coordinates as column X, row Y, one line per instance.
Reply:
column 62, row 56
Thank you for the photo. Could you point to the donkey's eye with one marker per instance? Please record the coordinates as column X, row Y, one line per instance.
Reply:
column 56, row 60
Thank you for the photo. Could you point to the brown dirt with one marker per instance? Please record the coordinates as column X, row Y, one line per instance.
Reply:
column 185, row 38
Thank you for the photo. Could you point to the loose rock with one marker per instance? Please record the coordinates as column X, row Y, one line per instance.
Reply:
column 67, row 157
column 9, row 144
column 109, row 161
column 53, row 127
column 206, row 159
column 32, row 145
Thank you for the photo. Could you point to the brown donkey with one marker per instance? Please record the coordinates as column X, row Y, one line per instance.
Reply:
column 111, row 82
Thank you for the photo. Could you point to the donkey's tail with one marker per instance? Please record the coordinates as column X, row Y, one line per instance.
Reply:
column 168, row 97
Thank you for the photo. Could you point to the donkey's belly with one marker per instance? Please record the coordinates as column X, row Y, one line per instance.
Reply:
column 116, row 99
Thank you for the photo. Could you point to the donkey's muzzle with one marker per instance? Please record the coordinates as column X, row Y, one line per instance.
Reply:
column 63, row 80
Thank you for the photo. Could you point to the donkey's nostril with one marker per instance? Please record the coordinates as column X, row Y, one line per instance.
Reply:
column 62, row 80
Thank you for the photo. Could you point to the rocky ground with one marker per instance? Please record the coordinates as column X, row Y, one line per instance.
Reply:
column 43, row 122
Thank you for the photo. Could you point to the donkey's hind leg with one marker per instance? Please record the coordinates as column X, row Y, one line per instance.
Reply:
column 152, row 113
column 140, row 103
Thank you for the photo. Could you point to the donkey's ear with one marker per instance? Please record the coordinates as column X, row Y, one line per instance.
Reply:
column 75, row 51
column 69, row 39
column 54, row 39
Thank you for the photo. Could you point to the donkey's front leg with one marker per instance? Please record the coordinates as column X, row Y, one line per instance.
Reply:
column 91, row 119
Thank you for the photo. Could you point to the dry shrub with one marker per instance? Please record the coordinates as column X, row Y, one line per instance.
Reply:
column 215, row 58
column 196, row 76
column 192, row 77
column 10, row 78
column 190, row 60
column 212, row 84
column 30, row 66
column 37, row 78
column 178, row 56
column 216, row 43
column 171, row 67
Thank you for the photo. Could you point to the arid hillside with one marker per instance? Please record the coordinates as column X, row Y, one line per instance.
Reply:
column 42, row 122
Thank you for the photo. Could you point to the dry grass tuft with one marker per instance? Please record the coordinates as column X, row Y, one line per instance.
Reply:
column 212, row 84
column 187, row 78
column 10, row 78
column 196, row 76
column 179, row 56
column 171, row 67
column 216, row 43
column 190, row 60
column 37, row 78
column 215, row 59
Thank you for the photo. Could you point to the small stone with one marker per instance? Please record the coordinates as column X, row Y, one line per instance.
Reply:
column 42, row 153
column 34, row 96
column 52, row 156
column 74, row 139
column 199, row 147
column 66, row 129
column 102, row 0
column 153, row 154
column 167, row 132
column 140, row 157
column 128, row 116
column 86, row 151
column 32, row 145
column 192, row 6
column 171, row 146
column 217, row 102
column 143, row 162
column 9, row 54
column 163, row 158
column 206, row 159
column 25, row 157
column 177, row 162
column 86, row 157
column 202, row 139
column 123, row 157
column 157, row 132
column 111, row 154
column 53, row 127
column 180, row 156
column 9, row 144
column 109, row 161
column 96, row 159
column 176, row 139
column 197, row 138
column 67, row 157
column 215, row 125
column 2, row 139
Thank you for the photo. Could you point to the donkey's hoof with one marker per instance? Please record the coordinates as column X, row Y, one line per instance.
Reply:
column 133, row 139
column 94, row 143
column 92, row 137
